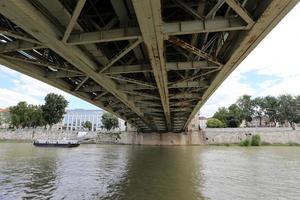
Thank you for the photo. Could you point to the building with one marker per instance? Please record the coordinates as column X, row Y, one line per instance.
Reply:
column 4, row 118
column 202, row 122
column 74, row 120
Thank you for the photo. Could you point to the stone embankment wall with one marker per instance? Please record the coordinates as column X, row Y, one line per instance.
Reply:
column 207, row 136
column 235, row 135
column 189, row 138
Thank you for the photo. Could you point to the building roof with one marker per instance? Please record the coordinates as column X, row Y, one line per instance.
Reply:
column 2, row 110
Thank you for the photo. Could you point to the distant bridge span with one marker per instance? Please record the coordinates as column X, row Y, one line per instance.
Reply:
column 153, row 63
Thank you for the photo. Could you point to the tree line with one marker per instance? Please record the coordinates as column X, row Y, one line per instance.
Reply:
column 109, row 121
column 51, row 112
column 27, row 115
column 275, row 109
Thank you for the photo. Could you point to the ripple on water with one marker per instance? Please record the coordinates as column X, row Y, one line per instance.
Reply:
column 135, row 172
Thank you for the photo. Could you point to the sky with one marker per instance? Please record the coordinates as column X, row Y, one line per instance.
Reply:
column 272, row 68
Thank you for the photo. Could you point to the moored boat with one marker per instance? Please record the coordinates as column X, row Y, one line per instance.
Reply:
column 66, row 144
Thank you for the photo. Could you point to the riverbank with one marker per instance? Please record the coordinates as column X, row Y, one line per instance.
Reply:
column 269, row 136
column 28, row 135
column 224, row 136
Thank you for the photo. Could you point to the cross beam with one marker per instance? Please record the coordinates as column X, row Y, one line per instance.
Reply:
column 48, row 34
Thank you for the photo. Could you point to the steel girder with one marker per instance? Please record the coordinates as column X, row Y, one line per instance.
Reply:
column 117, row 54
column 34, row 23
column 150, row 23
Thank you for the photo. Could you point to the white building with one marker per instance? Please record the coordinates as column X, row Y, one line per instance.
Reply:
column 202, row 122
column 74, row 120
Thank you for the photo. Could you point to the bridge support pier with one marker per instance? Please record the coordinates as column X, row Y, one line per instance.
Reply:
column 192, row 136
column 186, row 138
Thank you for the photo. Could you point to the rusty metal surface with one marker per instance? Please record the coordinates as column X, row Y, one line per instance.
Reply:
column 152, row 63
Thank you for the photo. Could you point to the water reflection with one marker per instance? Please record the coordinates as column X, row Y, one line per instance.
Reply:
column 159, row 173
column 31, row 175
column 145, row 172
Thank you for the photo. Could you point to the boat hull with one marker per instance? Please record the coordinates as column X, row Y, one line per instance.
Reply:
column 63, row 145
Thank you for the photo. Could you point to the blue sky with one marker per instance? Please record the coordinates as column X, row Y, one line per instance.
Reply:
column 272, row 68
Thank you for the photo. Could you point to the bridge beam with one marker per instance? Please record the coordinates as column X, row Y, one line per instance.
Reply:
column 241, row 11
column 209, row 25
column 72, row 23
column 112, row 35
column 275, row 11
column 18, row 45
column 61, row 74
column 24, row 16
column 18, row 35
column 150, row 23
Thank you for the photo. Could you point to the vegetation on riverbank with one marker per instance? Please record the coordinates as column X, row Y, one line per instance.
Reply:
column 109, row 121
column 284, row 108
column 27, row 115
column 255, row 140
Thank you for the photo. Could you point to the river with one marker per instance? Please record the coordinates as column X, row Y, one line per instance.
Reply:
column 149, row 172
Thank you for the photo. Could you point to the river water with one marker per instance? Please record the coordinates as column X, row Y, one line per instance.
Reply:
column 149, row 172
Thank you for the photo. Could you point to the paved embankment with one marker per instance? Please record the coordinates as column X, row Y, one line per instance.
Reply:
column 268, row 135
column 207, row 136
column 27, row 135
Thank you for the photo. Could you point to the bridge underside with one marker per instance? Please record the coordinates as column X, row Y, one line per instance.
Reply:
column 153, row 63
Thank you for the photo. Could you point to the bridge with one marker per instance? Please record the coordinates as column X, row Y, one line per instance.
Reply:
column 153, row 63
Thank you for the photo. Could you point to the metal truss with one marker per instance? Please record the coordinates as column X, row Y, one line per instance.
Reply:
column 153, row 63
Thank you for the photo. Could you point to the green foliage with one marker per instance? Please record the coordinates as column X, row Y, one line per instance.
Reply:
column 215, row 123
column 255, row 140
column 87, row 125
column 283, row 108
column 221, row 114
column 231, row 117
column 24, row 115
column 109, row 121
column 54, row 108
column 233, row 123
column 289, row 109
column 259, row 108
column 36, row 117
column 245, row 143
column 271, row 105
column 246, row 105
column 19, row 114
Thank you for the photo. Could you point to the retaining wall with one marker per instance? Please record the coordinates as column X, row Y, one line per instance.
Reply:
column 206, row 136
column 235, row 135
column 189, row 138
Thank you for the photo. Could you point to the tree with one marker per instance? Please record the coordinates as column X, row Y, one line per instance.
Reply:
column 231, row 117
column 259, row 108
column 24, row 115
column 271, row 108
column 235, row 116
column 19, row 114
column 35, row 116
column 246, row 105
column 54, row 108
column 289, row 109
column 87, row 125
column 221, row 114
column 233, row 123
column 109, row 121
column 215, row 123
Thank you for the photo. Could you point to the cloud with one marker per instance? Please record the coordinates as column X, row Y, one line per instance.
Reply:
column 24, row 88
column 9, row 98
column 35, row 88
column 227, row 94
